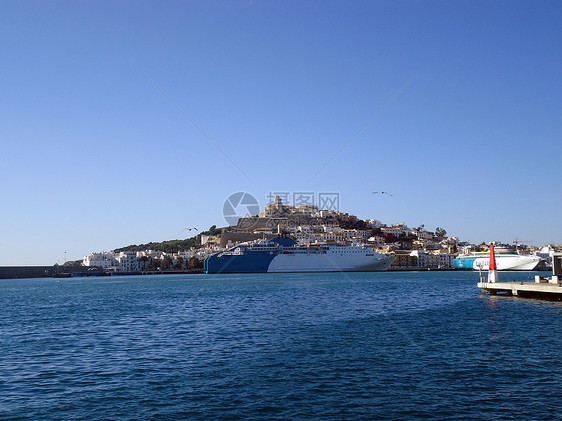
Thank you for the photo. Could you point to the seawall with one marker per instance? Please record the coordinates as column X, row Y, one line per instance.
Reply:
column 16, row 272
column 19, row 272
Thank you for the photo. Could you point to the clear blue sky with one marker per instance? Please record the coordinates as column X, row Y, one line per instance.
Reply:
column 94, row 157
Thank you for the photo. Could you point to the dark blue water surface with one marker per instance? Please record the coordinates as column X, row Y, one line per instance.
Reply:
column 291, row 346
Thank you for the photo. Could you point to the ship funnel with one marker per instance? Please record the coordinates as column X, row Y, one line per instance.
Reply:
column 492, row 271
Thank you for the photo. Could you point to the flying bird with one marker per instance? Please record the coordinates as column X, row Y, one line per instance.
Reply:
column 382, row 192
column 189, row 229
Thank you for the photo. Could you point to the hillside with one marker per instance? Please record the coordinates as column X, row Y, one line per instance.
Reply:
column 172, row 246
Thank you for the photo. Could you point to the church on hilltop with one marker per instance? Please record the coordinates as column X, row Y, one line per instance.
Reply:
column 279, row 210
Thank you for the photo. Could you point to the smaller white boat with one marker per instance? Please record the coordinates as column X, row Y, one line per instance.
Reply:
column 506, row 259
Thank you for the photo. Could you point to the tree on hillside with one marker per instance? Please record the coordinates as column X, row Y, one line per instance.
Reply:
column 389, row 238
column 376, row 231
column 440, row 232
column 179, row 263
column 144, row 261
column 350, row 224
column 195, row 263
column 155, row 264
column 170, row 246
column 405, row 237
column 167, row 263
column 213, row 231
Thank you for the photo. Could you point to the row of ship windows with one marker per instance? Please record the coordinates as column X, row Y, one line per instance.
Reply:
column 354, row 251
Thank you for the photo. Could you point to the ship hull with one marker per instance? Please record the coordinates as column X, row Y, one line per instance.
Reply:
column 329, row 262
column 510, row 262
column 296, row 262
column 254, row 263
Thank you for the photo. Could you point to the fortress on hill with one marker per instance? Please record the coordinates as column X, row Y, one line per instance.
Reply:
column 278, row 217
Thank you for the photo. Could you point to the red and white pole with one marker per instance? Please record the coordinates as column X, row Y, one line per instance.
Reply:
column 492, row 272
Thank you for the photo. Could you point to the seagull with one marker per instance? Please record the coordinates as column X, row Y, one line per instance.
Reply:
column 382, row 192
column 189, row 229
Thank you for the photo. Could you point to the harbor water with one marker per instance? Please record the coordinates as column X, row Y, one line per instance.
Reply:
column 390, row 345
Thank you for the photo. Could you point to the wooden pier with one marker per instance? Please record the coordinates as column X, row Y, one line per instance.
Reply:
column 548, row 288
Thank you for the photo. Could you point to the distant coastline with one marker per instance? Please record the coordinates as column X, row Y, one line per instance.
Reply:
column 26, row 272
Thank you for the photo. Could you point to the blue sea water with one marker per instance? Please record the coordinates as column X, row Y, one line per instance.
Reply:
column 289, row 346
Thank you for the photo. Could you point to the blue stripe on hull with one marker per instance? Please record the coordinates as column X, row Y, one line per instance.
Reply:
column 465, row 263
column 249, row 263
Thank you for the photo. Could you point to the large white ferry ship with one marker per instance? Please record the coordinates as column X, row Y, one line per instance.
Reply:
column 506, row 259
column 285, row 255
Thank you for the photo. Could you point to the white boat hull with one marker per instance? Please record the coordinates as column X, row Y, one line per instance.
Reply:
column 329, row 262
column 510, row 262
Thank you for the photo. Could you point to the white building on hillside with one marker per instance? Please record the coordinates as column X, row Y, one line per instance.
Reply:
column 432, row 260
column 377, row 239
column 374, row 223
column 105, row 260
column 424, row 234
column 151, row 254
column 210, row 239
column 128, row 261
column 396, row 231
column 351, row 234
column 203, row 253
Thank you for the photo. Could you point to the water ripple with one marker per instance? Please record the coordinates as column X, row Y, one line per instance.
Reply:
column 381, row 345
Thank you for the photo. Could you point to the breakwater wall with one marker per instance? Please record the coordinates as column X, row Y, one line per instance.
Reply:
column 17, row 272
column 8, row 272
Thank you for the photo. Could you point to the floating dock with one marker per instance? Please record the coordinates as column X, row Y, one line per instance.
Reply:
column 543, row 287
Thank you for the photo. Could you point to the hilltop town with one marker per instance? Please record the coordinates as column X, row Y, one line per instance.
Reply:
column 414, row 248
